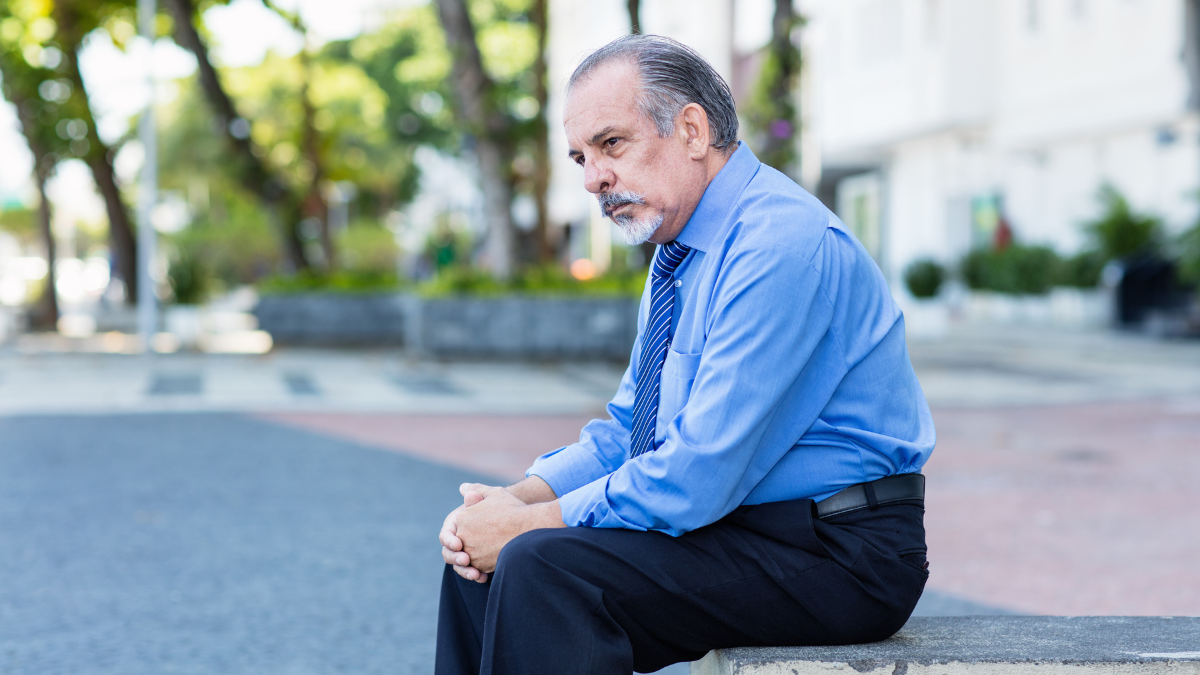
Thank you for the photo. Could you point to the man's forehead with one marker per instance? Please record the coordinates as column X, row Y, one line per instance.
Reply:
column 606, row 97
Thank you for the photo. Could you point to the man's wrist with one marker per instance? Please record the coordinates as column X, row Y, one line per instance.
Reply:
column 532, row 490
column 545, row 515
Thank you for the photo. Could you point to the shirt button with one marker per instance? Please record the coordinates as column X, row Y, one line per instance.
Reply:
column 678, row 283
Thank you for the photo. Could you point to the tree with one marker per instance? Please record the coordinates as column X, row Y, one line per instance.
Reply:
column 488, row 126
column 772, row 111
column 541, row 134
column 256, row 175
column 40, row 46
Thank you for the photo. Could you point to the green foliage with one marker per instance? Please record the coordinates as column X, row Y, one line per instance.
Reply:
column 189, row 277
column 1188, row 255
column 341, row 281
column 924, row 278
column 770, row 111
column 20, row 223
column 1081, row 270
column 1017, row 269
column 368, row 248
column 543, row 280
column 1120, row 231
column 232, row 239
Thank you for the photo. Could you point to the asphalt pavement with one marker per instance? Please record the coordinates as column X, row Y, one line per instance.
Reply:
column 213, row 544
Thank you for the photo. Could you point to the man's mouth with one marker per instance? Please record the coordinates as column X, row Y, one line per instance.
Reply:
column 610, row 203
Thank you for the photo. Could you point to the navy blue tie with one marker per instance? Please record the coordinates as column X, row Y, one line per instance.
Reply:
column 655, row 342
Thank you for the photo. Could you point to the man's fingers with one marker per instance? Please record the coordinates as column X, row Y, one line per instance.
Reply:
column 471, row 498
column 456, row 558
column 450, row 541
column 470, row 573
column 476, row 487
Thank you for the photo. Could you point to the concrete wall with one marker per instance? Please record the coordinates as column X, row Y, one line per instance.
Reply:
column 457, row 327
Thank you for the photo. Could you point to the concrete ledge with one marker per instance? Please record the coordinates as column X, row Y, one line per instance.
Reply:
column 991, row 645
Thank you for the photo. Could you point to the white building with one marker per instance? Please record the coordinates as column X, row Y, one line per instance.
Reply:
column 924, row 119
column 931, row 114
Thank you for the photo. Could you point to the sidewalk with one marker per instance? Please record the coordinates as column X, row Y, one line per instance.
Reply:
column 980, row 367
column 1063, row 481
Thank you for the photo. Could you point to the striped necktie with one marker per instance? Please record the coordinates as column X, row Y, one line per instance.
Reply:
column 655, row 341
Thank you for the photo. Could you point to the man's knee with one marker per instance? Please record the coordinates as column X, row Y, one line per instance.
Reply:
column 530, row 552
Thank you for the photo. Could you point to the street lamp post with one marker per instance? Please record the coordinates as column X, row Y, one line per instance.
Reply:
column 147, row 302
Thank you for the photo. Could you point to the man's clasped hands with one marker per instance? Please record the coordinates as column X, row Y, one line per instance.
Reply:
column 490, row 517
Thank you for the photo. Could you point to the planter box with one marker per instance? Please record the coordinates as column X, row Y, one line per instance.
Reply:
column 523, row 327
column 458, row 326
column 332, row 319
column 1072, row 308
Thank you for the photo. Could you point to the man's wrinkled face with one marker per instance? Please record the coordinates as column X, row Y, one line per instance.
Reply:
column 635, row 174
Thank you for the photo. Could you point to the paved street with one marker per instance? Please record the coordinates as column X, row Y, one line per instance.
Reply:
column 276, row 514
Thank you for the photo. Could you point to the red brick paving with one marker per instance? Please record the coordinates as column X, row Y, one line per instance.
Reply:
column 499, row 445
column 1072, row 509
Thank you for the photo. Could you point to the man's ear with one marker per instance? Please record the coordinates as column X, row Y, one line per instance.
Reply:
column 695, row 127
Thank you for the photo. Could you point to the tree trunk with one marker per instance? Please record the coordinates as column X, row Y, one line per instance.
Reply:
column 315, row 205
column 634, row 7
column 473, row 88
column 783, row 132
column 46, row 315
column 541, row 155
column 122, row 244
column 271, row 190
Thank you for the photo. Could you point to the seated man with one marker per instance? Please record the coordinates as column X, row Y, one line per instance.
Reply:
column 758, row 483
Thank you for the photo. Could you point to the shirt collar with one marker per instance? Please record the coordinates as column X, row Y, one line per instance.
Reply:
column 719, row 199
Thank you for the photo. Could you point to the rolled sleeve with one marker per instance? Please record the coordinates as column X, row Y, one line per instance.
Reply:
column 568, row 468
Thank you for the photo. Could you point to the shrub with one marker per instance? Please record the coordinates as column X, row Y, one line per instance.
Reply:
column 1081, row 270
column 367, row 247
column 924, row 278
column 1120, row 231
column 189, row 277
column 542, row 280
column 341, row 281
column 1017, row 269
column 1188, row 250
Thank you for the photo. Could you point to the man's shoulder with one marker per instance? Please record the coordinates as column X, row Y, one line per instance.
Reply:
column 774, row 212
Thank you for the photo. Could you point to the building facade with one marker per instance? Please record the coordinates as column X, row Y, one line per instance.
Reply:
column 934, row 119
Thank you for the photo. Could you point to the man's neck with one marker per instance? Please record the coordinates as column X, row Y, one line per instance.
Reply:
column 713, row 163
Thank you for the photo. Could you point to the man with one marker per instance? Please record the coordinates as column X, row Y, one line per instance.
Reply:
column 758, row 481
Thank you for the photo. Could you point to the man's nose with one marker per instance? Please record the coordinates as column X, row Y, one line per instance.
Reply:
column 598, row 177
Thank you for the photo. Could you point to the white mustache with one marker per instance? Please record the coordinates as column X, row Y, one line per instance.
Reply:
column 611, row 201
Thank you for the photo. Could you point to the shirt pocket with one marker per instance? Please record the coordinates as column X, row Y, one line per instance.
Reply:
column 678, row 374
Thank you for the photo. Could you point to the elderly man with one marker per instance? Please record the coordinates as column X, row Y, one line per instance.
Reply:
column 758, row 482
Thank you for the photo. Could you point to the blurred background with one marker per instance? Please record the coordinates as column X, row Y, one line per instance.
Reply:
column 277, row 275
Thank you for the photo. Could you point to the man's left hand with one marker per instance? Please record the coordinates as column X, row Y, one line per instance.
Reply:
column 500, row 517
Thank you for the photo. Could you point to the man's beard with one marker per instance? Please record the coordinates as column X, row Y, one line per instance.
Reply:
column 634, row 230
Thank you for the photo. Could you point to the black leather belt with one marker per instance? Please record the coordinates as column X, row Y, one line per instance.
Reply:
column 899, row 488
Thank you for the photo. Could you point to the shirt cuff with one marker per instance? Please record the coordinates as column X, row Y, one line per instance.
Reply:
column 587, row 506
column 567, row 469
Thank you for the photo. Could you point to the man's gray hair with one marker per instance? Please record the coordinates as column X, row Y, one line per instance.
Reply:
column 671, row 76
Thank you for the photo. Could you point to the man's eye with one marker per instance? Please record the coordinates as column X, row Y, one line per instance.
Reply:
column 611, row 142
column 579, row 160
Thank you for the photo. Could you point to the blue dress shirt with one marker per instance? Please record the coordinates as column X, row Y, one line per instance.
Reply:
column 787, row 376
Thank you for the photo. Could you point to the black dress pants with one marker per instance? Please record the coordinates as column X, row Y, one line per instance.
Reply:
column 608, row 602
